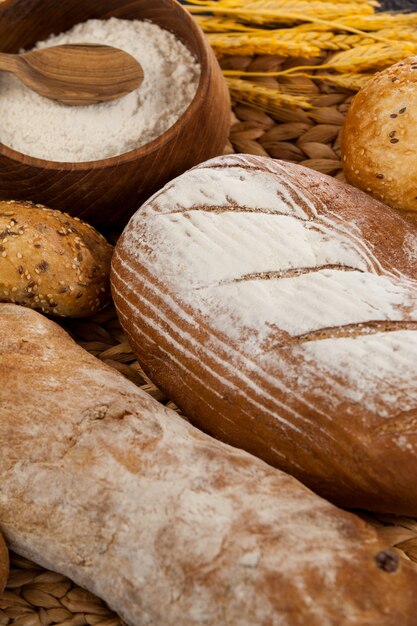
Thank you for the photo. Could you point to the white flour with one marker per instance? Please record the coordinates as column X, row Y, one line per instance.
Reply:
column 45, row 129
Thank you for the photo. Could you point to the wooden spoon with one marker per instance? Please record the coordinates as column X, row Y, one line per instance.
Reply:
column 78, row 74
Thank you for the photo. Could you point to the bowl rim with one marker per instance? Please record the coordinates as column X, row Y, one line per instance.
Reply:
column 147, row 149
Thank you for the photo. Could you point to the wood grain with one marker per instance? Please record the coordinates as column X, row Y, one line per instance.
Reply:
column 76, row 74
column 4, row 564
column 105, row 193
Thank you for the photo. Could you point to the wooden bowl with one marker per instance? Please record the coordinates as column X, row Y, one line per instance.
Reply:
column 4, row 564
column 107, row 192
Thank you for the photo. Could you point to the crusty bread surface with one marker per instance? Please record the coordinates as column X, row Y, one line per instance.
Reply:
column 169, row 526
column 51, row 261
column 379, row 145
column 277, row 307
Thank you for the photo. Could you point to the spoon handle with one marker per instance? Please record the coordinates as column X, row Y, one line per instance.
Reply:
column 9, row 62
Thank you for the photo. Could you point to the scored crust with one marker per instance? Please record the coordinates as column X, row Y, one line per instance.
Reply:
column 277, row 307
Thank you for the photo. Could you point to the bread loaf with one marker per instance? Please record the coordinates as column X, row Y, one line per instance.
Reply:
column 169, row 526
column 4, row 564
column 52, row 262
column 379, row 147
column 277, row 307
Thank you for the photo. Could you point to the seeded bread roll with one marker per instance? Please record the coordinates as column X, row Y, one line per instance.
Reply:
column 277, row 307
column 4, row 564
column 379, row 146
column 172, row 528
column 52, row 262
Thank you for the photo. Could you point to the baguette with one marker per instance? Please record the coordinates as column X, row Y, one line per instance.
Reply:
column 170, row 527
column 277, row 307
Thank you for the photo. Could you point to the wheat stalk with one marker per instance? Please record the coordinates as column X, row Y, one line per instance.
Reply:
column 264, row 98
column 370, row 57
column 380, row 21
column 353, row 82
column 279, row 11
column 277, row 43
column 297, row 42
column 212, row 24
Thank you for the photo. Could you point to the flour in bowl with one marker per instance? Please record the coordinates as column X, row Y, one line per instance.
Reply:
column 46, row 129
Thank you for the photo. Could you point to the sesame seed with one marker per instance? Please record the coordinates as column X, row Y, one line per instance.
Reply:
column 392, row 133
column 381, row 176
column 393, row 115
column 401, row 111
column 394, row 140
column 19, row 255
column 42, row 266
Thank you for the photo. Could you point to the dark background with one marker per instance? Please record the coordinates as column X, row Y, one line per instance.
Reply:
column 399, row 5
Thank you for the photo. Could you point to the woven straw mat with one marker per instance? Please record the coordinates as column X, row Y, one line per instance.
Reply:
column 36, row 597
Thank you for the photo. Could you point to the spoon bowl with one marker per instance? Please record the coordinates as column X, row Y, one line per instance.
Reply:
column 76, row 75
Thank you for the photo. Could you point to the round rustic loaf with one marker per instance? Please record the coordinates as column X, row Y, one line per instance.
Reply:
column 268, row 301
column 52, row 262
column 379, row 146
column 4, row 564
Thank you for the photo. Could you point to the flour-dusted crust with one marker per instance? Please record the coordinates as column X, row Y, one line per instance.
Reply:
column 51, row 261
column 278, row 308
column 4, row 564
column 169, row 526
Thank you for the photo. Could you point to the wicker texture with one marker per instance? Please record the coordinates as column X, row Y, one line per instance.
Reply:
column 310, row 137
